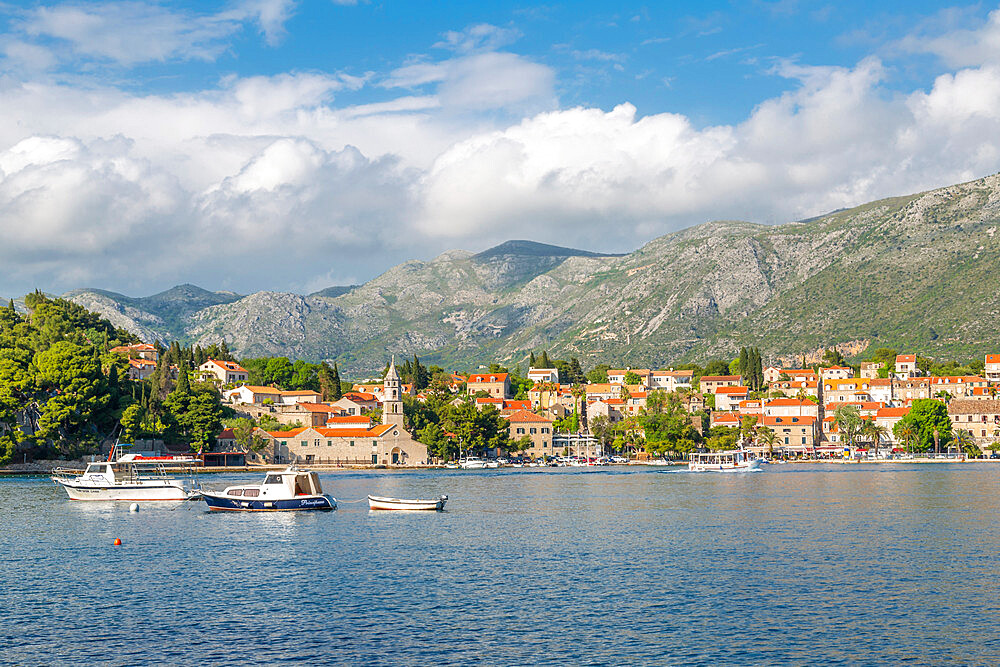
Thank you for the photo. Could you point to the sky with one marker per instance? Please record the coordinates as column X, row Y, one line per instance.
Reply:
column 294, row 145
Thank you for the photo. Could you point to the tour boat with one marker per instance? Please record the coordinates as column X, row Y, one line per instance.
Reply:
column 735, row 460
column 130, row 477
column 380, row 503
column 472, row 463
column 289, row 489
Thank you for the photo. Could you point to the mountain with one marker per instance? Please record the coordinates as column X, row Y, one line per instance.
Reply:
column 920, row 272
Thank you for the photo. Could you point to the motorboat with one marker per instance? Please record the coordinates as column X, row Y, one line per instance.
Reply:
column 492, row 463
column 472, row 463
column 382, row 503
column 735, row 460
column 289, row 489
column 129, row 477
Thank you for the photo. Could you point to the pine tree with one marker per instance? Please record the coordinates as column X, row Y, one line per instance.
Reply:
column 224, row 352
column 576, row 371
column 531, row 360
column 545, row 363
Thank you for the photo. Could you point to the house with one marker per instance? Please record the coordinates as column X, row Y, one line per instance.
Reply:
column 709, row 383
column 957, row 386
column 727, row 419
column 729, row 397
column 138, row 351
column 612, row 408
column 671, row 380
column 223, row 372
column 494, row 384
column 544, row 375
column 774, row 374
column 880, row 390
column 795, row 434
column 357, row 403
column 981, row 417
column 312, row 414
column 836, row 373
column 140, row 369
column 906, row 366
column 846, row 390
column 504, row 405
column 348, row 421
column 888, row 418
column 252, row 395
column 790, row 407
column 865, row 408
column 870, row 369
column 601, row 390
column 617, row 376
column 905, row 391
column 991, row 369
column 751, row 407
column 793, row 387
column 301, row 396
column 635, row 403
column 537, row 428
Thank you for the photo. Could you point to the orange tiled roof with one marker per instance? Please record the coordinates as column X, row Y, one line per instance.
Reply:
column 286, row 434
column 993, row 358
column 525, row 417
column 720, row 378
column 805, row 420
column 736, row 391
column 486, row 378
column 227, row 365
column 892, row 412
column 906, row 358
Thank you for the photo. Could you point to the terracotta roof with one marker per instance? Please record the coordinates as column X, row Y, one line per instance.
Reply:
column 725, row 417
column 993, row 358
column 974, row 407
column 227, row 434
column 373, row 432
column 720, row 378
column 892, row 412
column 488, row 399
column 523, row 405
column 319, row 407
column 303, row 392
column 360, row 396
column 906, row 358
column 348, row 419
column 227, row 365
column 880, row 382
column 672, row 373
column 804, row 420
column 257, row 389
column 782, row 402
column 141, row 362
column 486, row 378
column 286, row 434
column 523, row 416
column 956, row 379
column 736, row 391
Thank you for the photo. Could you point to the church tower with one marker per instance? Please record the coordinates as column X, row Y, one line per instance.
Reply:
column 392, row 398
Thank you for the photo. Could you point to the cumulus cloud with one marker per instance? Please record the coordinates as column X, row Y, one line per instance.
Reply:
column 270, row 182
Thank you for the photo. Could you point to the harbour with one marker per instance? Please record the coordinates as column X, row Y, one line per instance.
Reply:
column 801, row 563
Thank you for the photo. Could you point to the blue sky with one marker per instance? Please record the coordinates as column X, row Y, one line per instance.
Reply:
column 321, row 142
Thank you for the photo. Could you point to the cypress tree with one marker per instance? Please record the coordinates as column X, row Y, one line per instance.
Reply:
column 338, row 392
column 743, row 366
column 224, row 352
column 531, row 360
column 183, row 382
column 545, row 360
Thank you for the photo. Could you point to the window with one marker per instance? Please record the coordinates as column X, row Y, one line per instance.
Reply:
column 272, row 479
column 316, row 442
column 545, row 429
column 284, row 443
column 303, row 443
column 532, row 431
column 374, row 443
column 352, row 443
column 329, row 443
column 520, row 431
column 235, row 492
column 251, row 493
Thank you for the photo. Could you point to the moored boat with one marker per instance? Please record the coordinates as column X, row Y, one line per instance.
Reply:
column 472, row 463
column 130, row 477
column 383, row 503
column 735, row 460
column 287, row 490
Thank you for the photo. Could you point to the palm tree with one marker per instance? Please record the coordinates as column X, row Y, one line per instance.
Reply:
column 907, row 435
column 768, row 437
column 874, row 432
column 963, row 439
column 848, row 421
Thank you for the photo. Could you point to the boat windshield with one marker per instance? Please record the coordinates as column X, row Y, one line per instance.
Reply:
column 273, row 479
column 97, row 469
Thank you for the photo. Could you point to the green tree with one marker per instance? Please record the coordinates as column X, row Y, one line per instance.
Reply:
column 928, row 418
column 131, row 422
column 848, row 421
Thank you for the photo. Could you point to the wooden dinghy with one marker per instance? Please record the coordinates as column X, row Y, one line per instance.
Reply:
column 380, row 503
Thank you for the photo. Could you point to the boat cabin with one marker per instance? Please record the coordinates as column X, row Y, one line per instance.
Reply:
column 284, row 484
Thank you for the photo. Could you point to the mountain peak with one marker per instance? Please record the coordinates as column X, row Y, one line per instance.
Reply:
column 525, row 248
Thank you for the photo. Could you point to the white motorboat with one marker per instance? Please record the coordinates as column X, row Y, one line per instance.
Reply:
column 492, row 463
column 130, row 477
column 735, row 460
column 289, row 489
column 472, row 463
column 382, row 503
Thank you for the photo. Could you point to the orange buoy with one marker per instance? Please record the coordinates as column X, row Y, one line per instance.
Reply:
column 118, row 541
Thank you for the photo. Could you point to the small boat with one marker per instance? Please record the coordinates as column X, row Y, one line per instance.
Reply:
column 735, row 460
column 289, row 489
column 130, row 477
column 472, row 463
column 381, row 503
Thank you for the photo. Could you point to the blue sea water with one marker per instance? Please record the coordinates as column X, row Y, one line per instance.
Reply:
column 801, row 564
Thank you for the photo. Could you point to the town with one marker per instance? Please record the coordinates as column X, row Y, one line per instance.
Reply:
column 890, row 406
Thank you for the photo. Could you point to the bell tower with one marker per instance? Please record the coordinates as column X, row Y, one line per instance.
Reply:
column 392, row 398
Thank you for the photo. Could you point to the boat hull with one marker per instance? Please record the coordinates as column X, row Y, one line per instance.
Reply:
column 161, row 491
column 223, row 503
column 749, row 466
column 379, row 503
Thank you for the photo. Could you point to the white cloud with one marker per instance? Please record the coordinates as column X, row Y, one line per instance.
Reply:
column 479, row 37
column 956, row 46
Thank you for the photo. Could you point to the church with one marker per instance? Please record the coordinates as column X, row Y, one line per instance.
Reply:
column 387, row 443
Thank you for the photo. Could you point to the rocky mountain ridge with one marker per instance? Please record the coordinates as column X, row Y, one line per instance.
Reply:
column 919, row 272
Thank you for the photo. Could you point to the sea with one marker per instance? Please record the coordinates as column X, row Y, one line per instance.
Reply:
column 801, row 564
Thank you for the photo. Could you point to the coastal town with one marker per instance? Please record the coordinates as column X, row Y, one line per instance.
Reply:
column 885, row 408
